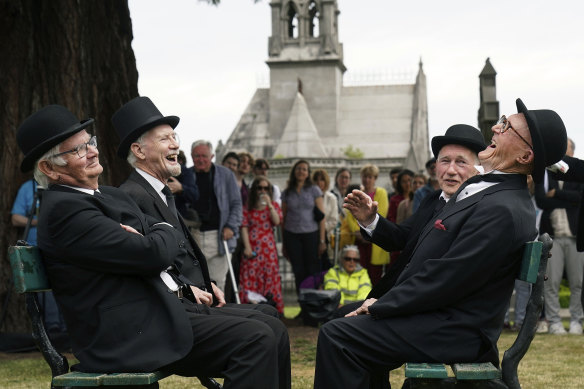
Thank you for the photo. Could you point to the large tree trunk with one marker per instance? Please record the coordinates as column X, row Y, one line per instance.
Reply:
column 74, row 53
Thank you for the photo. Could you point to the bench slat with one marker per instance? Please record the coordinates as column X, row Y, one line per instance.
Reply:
column 27, row 269
column 100, row 379
column 78, row 379
column 426, row 370
column 530, row 262
column 476, row 371
column 133, row 378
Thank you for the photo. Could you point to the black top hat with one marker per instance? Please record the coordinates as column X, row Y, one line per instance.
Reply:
column 45, row 129
column 548, row 135
column 460, row 134
column 135, row 118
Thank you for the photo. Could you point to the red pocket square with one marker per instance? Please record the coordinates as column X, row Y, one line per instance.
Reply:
column 438, row 225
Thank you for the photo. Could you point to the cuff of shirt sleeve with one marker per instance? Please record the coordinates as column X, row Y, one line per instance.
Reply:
column 369, row 229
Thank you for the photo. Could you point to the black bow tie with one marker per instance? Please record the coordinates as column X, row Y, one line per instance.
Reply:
column 480, row 178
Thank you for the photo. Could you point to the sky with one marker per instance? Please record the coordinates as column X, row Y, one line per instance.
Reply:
column 203, row 63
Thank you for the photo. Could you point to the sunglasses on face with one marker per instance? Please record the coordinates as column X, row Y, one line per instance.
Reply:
column 261, row 187
column 351, row 259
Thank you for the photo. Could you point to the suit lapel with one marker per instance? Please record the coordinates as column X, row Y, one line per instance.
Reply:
column 161, row 207
column 514, row 181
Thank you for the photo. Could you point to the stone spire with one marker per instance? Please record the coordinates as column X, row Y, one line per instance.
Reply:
column 419, row 152
column 489, row 106
column 300, row 137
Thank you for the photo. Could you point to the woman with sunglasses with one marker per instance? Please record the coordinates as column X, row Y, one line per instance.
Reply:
column 259, row 270
column 349, row 277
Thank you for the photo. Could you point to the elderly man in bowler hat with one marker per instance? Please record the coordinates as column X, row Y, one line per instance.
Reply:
column 114, row 271
column 448, row 303
column 455, row 155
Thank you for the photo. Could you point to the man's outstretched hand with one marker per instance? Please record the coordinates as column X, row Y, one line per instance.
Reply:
column 361, row 206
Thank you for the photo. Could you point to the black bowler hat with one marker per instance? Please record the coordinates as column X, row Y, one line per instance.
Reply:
column 459, row 134
column 135, row 118
column 548, row 135
column 45, row 129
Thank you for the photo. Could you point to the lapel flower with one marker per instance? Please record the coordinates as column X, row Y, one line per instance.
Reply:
column 438, row 225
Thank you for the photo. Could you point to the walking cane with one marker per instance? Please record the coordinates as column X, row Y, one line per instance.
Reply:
column 232, row 276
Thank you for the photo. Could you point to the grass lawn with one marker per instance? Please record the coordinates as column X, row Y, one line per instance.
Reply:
column 551, row 362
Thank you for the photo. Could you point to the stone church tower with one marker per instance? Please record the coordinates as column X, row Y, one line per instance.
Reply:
column 489, row 105
column 308, row 113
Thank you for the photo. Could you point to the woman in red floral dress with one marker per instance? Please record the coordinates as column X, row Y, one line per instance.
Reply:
column 259, row 270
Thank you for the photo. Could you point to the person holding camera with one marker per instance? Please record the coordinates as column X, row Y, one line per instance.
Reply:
column 259, row 270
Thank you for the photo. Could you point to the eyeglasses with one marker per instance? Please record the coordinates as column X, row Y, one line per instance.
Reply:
column 266, row 188
column 507, row 125
column 81, row 149
column 172, row 136
column 351, row 259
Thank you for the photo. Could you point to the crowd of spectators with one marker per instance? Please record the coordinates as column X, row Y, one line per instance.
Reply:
column 236, row 203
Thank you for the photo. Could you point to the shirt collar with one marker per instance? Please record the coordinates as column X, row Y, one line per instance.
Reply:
column 444, row 196
column 481, row 170
column 84, row 190
column 155, row 182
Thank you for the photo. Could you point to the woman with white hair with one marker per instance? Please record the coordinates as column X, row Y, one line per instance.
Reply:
column 349, row 277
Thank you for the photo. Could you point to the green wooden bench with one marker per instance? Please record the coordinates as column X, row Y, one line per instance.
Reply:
column 29, row 278
column 486, row 375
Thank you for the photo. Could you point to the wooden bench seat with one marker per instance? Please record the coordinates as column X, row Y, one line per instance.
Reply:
column 486, row 375
column 97, row 379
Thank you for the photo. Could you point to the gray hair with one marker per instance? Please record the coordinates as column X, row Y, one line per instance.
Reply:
column 41, row 178
column 132, row 159
column 350, row 247
column 201, row 142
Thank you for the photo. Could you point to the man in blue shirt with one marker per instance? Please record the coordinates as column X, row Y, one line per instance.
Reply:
column 22, row 208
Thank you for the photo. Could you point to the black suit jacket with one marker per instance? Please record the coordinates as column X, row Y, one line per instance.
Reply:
column 401, row 237
column 567, row 198
column 151, row 204
column 119, row 313
column 451, row 298
column 576, row 174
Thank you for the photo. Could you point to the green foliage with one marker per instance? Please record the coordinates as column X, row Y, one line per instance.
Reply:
column 278, row 156
column 564, row 294
column 353, row 153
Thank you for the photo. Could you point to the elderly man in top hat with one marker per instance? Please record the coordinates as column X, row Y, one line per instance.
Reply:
column 150, row 144
column 448, row 304
column 114, row 272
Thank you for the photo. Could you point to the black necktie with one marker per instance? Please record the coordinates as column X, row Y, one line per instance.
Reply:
column 439, row 205
column 170, row 200
column 98, row 194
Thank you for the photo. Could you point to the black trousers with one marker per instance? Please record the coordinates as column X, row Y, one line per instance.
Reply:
column 244, row 344
column 302, row 250
column 358, row 352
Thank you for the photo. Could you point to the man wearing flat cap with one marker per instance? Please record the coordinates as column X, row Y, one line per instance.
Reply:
column 114, row 272
column 448, row 303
